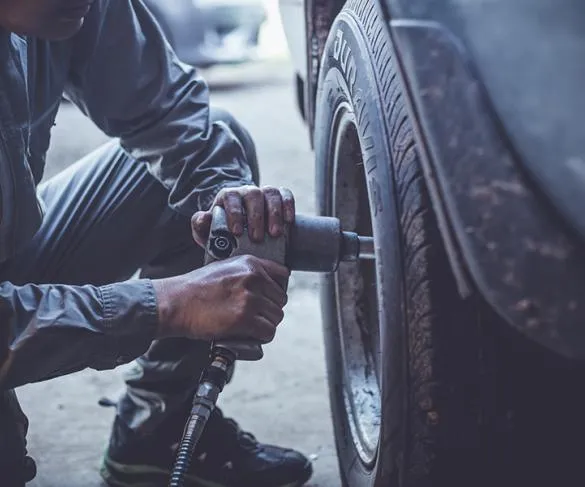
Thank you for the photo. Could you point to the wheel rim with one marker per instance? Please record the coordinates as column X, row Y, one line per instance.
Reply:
column 356, row 296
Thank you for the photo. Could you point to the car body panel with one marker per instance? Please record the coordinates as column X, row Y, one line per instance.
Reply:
column 502, row 231
column 208, row 32
column 292, row 13
column 529, row 56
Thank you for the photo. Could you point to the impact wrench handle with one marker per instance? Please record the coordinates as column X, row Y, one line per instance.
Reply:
column 223, row 244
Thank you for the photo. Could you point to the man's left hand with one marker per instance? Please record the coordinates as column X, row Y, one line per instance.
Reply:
column 266, row 208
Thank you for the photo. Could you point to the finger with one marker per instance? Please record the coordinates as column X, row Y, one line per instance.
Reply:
column 282, row 284
column 254, row 204
column 274, row 269
column 277, row 272
column 266, row 271
column 273, row 200
column 200, row 226
column 272, row 283
column 262, row 329
column 288, row 205
column 275, row 291
column 231, row 201
column 271, row 311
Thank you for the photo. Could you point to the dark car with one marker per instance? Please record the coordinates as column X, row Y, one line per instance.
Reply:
column 209, row 32
column 452, row 131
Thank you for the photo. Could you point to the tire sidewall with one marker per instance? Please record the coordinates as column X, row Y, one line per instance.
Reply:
column 348, row 77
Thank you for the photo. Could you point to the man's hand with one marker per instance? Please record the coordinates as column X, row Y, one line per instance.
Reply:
column 240, row 297
column 265, row 208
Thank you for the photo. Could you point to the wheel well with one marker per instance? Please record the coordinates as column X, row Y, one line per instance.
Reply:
column 319, row 17
column 324, row 12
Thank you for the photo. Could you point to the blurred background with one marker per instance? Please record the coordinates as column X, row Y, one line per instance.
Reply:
column 288, row 403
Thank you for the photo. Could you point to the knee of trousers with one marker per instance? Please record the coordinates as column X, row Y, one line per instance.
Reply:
column 244, row 137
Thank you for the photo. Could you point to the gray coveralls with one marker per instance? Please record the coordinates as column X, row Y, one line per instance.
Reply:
column 65, row 301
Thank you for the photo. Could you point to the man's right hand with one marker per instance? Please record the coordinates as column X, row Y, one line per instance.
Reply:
column 241, row 297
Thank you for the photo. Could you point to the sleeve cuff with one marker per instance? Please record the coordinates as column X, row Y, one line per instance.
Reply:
column 130, row 319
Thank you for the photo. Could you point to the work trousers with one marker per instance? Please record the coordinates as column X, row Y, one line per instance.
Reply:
column 106, row 218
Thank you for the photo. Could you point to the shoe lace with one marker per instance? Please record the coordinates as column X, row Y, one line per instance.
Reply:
column 224, row 440
column 236, row 437
column 241, row 438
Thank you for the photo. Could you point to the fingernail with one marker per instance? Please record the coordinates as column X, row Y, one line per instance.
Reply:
column 275, row 230
column 237, row 229
column 256, row 234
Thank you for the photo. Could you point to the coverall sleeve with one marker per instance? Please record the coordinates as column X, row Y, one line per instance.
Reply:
column 52, row 330
column 127, row 79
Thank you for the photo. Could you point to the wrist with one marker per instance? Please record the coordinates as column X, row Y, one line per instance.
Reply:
column 165, row 306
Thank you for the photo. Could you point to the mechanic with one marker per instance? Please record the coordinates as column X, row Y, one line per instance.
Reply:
column 69, row 246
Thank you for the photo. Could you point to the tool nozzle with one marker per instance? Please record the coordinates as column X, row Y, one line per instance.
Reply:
column 366, row 251
column 356, row 247
column 317, row 244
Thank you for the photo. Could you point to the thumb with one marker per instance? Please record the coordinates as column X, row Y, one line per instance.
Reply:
column 200, row 226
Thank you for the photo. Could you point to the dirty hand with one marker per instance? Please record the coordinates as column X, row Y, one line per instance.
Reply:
column 265, row 208
column 241, row 297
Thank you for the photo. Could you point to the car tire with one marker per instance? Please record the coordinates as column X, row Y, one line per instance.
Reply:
column 419, row 369
column 426, row 389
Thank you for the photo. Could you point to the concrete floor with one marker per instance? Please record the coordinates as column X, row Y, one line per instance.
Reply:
column 282, row 399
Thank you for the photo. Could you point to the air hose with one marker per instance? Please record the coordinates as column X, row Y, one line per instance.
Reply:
column 212, row 383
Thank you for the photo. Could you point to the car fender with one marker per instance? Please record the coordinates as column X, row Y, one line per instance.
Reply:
column 503, row 235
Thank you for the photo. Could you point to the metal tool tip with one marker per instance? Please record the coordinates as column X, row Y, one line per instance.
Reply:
column 367, row 251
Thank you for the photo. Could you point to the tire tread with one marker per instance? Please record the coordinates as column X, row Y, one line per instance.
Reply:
column 427, row 313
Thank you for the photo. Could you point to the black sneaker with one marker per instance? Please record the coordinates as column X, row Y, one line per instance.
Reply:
column 226, row 456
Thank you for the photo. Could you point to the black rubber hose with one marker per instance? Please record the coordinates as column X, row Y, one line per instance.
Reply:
column 212, row 382
column 193, row 430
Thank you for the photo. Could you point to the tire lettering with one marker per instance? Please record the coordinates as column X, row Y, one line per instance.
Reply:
column 376, row 203
column 368, row 143
column 342, row 54
column 337, row 45
column 371, row 163
column 330, row 95
column 345, row 53
column 358, row 106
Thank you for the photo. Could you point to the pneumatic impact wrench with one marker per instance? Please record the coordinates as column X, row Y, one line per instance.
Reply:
column 314, row 244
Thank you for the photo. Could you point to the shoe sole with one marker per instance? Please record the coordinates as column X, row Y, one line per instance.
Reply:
column 121, row 475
